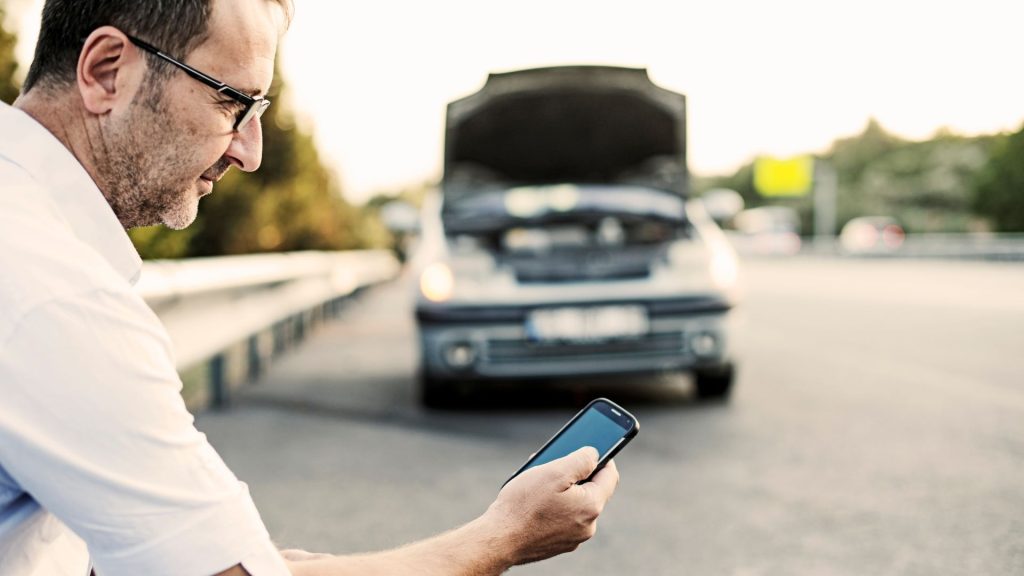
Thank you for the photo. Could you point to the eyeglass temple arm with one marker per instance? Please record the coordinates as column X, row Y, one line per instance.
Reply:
column 216, row 85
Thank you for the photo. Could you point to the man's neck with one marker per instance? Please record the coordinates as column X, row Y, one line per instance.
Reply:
column 47, row 111
column 68, row 125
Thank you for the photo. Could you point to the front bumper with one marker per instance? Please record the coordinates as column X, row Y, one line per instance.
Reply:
column 468, row 343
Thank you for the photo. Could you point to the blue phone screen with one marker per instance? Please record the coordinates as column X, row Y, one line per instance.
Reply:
column 592, row 429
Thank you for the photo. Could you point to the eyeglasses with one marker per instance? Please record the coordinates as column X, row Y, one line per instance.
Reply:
column 255, row 106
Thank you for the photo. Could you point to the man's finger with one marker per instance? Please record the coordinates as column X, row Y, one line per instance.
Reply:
column 294, row 555
column 604, row 482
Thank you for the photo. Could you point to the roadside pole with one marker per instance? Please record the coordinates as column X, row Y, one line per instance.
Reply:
column 826, row 185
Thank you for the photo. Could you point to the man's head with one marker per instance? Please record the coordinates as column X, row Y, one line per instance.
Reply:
column 153, row 137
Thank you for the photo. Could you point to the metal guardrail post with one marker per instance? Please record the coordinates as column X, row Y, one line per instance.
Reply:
column 218, row 382
column 280, row 337
column 255, row 367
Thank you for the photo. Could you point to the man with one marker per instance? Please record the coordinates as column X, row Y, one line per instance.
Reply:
column 130, row 112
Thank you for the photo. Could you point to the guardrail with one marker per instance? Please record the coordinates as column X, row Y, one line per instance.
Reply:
column 229, row 316
column 979, row 246
column 970, row 246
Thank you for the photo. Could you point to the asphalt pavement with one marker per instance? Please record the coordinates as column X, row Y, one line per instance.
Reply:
column 877, row 427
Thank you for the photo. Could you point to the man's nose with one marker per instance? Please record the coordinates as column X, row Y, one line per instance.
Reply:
column 246, row 148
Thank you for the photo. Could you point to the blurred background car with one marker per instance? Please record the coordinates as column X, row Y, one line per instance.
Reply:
column 766, row 231
column 868, row 235
column 563, row 241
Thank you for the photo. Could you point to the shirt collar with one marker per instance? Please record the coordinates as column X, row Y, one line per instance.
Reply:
column 30, row 145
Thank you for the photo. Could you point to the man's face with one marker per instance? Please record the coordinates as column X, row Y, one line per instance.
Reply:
column 176, row 140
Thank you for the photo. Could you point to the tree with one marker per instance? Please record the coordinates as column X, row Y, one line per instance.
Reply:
column 925, row 185
column 8, row 62
column 999, row 189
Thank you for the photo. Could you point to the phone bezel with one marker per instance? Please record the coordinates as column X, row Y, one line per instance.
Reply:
column 607, row 408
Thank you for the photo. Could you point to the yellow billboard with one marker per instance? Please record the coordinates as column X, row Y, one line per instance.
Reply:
column 784, row 176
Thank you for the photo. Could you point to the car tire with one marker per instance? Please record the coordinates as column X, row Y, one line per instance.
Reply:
column 716, row 383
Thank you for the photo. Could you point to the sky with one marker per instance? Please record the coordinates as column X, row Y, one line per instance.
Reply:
column 780, row 78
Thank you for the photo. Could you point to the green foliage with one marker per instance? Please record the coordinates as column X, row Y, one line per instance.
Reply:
column 999, row 189
column 927, row 185
column 155, row 242
column 293, row 202
column 8, row 63
column 852, row 156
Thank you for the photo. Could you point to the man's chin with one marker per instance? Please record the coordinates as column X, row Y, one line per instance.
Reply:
column 182, row 216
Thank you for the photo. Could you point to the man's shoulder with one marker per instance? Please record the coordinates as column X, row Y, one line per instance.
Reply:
column 23, row 201
column 42, row 259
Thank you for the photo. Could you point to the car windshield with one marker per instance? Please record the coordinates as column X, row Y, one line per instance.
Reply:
column 511, row 206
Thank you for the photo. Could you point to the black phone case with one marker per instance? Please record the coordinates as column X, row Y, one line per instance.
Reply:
column 630, row 434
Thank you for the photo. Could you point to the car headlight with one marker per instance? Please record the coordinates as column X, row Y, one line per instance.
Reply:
column 437, row 282
column 724, row 268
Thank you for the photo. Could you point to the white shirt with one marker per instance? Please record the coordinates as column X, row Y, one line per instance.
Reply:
column 95, row 442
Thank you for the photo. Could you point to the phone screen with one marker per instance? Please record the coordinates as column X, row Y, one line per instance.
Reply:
column 592, row 429
column 602, row 424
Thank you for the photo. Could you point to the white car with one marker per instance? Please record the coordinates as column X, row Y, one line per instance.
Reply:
column 552, row 249
column 767, row 231
column 867, row 235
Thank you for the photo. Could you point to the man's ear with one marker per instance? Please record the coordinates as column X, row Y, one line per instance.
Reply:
column 110, row 70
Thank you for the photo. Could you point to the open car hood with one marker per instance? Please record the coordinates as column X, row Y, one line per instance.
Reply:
column 569, row 124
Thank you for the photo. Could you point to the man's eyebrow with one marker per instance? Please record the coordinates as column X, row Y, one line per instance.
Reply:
column 250, row 92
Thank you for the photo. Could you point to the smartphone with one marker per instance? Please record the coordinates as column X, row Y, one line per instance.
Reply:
column 602, row 424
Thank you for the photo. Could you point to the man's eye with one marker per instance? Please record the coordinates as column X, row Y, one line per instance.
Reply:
column 231, row 106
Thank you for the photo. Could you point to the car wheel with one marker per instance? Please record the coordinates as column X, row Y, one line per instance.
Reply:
column 714, row 383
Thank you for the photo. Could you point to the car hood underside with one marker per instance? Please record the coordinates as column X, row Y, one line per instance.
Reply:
column 581, row 124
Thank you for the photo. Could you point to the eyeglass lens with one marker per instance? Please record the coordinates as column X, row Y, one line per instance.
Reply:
column 254, row 110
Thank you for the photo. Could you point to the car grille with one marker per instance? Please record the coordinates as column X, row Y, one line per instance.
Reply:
column 657, row 345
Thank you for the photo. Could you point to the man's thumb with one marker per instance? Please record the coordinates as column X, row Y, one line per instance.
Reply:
column 582, row 463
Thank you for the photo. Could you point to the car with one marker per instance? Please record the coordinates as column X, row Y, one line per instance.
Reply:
column 871, row 235
column 767, row 231
column 563, row 241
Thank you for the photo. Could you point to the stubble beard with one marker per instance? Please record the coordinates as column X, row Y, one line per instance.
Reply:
column 147, row 163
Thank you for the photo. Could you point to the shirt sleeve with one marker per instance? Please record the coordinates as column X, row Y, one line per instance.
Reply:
column 93, row 426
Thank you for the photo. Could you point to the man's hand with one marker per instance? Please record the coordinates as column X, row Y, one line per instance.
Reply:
column 545, row 512
column 539, row 514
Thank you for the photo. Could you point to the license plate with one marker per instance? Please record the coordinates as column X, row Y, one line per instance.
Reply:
column 587, row 324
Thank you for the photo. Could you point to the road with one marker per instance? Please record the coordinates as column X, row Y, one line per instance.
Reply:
column 877, row 428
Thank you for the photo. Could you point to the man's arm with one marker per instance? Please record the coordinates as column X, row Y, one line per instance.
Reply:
column 94, row 428
column 539, row 514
